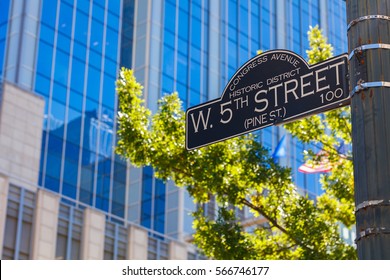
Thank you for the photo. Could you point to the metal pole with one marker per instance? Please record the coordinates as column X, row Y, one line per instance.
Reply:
column 369, row 48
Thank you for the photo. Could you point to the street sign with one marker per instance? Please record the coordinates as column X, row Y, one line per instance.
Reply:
column 272, row 88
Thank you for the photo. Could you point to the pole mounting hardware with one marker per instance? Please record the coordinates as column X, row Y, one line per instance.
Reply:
column 372, row 203
column 359, row 50
column 361, row 85
column 355, row 21
column 372, row 231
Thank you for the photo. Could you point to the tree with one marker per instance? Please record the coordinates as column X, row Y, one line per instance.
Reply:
column 330, row 132
column 239, row 173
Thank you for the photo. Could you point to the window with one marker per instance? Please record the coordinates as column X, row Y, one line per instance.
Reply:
column 183, row 25
column 158, row 249
column 195, row 256
column 159, row 206
column 118, row 192
column 108, row 98
column 44, row 59
column 77, row 75
column 115, row 242
column 95, row 59
column 71, row 169
column 93, row 90
column 18, row 227
column 209, row 208
column 111, row 43
column 81, row 27
column 70, row 223
column 147, row 193
column 48, row 14
column 103, row 185
column 42, row 85
column 65, row 20
column 96, row 40
column 170, row 20
column 87, row 179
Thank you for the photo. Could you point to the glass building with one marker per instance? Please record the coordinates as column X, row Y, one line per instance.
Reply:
column 61, row 182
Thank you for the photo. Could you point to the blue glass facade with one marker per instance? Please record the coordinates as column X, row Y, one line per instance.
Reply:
column 77, row 61
column 153, row 201
column 69, row 52
column 301, row 15
column 4, row 8
column 336, row 33
column 247, row 27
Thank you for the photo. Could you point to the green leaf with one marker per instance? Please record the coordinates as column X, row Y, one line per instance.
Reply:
column 240, row 174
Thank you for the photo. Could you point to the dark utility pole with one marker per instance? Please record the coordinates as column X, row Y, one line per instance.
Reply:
column 369, row 48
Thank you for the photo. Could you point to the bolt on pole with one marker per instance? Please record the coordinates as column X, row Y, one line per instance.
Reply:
column 369, row 49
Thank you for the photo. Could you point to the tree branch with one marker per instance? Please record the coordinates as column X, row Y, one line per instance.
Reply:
column 275, row 223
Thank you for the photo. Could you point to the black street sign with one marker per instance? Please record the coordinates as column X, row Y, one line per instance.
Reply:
column 272, row 88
